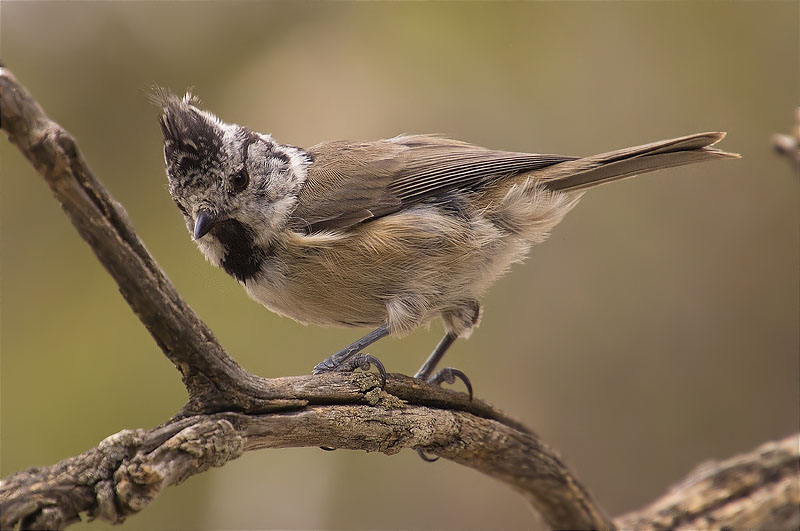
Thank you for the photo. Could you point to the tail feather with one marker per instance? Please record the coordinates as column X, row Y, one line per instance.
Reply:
column 593, row 171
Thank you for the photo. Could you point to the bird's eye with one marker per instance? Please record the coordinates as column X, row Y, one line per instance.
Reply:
column 239, row 181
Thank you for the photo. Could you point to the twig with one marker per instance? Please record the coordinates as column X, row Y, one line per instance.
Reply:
column 788, row 146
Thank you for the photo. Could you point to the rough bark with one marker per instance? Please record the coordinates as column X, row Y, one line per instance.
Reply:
column 128, row 470
column 757, row 490
column 230, row 410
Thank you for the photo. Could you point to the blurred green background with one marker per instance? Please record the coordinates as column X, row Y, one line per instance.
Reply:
column 657, row 328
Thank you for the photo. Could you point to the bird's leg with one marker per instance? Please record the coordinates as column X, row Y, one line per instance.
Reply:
column 446, row 375
column 351, row 358
column 433, row 360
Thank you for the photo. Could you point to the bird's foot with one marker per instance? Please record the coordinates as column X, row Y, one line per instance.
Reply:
column 449, row 375
column 357, row 361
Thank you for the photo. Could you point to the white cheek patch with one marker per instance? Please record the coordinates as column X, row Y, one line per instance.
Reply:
column 272, row 220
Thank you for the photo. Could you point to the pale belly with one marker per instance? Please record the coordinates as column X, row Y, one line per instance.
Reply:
column 404, row 269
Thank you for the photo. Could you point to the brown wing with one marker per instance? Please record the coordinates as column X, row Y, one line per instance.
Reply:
column 351, row 182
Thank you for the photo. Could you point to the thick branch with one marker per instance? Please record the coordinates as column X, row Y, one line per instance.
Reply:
column 757, row 490
column 129, row 469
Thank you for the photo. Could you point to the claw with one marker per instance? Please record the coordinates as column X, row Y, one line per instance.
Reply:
column 364, row 361
column 345, row 360
column 425, row 457
column 448, row 375
column 324, row 366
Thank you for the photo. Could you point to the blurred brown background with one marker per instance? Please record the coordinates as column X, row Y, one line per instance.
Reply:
column 658, row 327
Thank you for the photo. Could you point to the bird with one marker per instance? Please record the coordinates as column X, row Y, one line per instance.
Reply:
column 388, row 234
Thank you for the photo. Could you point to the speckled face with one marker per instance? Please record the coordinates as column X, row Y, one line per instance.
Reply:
column 206, row 158
column 235, row 187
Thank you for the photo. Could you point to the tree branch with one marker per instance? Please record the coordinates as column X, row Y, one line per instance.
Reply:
column 757, row 490
column 128, row 470
column 230, row 410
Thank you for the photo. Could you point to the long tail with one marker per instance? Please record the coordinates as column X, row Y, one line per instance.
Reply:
column 593, row 171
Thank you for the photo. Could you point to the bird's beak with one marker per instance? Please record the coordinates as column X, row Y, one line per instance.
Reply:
column 203, row 223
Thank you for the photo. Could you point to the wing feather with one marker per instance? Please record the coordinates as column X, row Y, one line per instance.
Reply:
column 351, row 182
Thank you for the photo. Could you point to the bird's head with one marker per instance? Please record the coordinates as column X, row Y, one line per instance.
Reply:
column 230, row 183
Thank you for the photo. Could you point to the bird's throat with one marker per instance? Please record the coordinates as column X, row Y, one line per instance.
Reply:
column 243, row 258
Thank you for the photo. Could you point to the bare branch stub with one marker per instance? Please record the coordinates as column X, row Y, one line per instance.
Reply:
column 788, row 146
